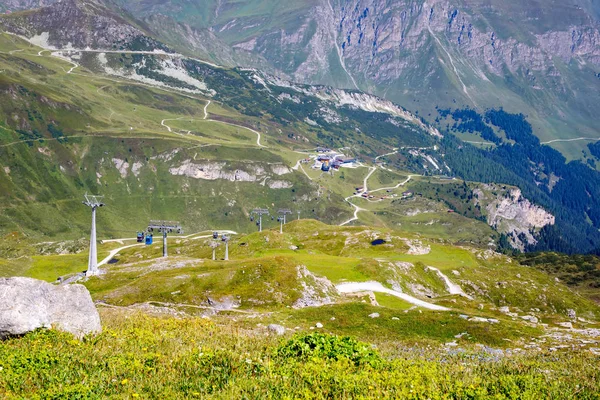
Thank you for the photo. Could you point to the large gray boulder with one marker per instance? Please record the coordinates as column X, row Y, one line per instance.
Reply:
column 27, row 304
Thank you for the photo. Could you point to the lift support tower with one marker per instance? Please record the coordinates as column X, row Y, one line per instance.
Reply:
column 282, row 214
column 93, row 202
column 165, row 227
column 260, row 212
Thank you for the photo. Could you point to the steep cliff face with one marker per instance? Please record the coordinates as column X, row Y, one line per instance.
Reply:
column 515, row 215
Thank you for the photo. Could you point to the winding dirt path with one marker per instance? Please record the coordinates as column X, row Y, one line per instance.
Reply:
column 395, row 187
column 358, row 209
column 388, row 154
column 115, row 252
column 379, row 288
column 55, row 53
column 570, row 140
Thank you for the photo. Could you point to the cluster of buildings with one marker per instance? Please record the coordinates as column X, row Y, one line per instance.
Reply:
column 333, row 161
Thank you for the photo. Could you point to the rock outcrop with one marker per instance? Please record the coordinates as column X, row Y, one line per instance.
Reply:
column 28, row 304
column 79, row 24
column 516, row 215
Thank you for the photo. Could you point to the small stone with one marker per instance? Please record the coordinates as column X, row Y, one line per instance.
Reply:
column 530, row 318
column 571, row 313
column 478, row 319
column 567, row 325
column 463, row 316
column 395, row 319
column 374, row 315
column 292, row 247
column 332, row 319
column 277, row 329
column 480, row 307
column 493, row 321
column 504, row 310
column 319, row 325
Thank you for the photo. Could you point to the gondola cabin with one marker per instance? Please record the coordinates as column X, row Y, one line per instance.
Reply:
column 140, row 237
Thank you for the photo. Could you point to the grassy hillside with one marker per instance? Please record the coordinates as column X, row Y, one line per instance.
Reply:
column 189, row 326
column 147, row 357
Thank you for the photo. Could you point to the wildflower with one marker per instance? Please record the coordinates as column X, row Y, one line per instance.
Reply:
column 145, row 349
column 196, row 394
column 135, row 395
column 124, row 381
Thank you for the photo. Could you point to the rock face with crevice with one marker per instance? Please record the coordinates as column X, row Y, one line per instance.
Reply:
column 28, row 304
column 517, row 216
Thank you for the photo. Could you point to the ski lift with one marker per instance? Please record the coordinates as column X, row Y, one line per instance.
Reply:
column 215, row 235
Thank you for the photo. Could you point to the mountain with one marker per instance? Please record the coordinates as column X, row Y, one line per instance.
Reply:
column 80, row 87
column 91, row 24
column 541, row 58
column 18, row 5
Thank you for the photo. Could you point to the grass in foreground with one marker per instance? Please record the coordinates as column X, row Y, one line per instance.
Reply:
column 138, row 356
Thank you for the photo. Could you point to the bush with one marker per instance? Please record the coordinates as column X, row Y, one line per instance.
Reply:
column 326, row 346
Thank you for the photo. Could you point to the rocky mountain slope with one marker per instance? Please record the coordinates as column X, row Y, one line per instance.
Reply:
column 541, row 58
column 217, row 106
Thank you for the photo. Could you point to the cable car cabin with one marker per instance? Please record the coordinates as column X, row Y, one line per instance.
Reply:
column 215, row 235
column 149, row 239
column 325, row 166
column 140, row 237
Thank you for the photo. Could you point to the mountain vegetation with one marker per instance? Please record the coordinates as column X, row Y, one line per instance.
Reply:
column 436, row 163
